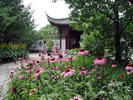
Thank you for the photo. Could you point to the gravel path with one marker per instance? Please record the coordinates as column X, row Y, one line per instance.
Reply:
column 5, row 70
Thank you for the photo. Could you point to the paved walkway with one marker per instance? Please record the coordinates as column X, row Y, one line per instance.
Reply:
column 5, row 70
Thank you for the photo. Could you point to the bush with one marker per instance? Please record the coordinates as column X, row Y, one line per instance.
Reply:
column 10, row 52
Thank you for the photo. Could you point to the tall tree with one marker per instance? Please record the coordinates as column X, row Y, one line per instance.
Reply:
column 16, row 23
column 119, row 12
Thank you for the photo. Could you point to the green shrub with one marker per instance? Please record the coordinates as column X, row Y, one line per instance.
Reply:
column 11, row 54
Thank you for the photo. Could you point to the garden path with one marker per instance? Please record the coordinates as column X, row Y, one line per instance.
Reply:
column 5, row 70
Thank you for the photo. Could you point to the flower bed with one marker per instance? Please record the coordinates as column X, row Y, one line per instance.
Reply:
column 66, row 77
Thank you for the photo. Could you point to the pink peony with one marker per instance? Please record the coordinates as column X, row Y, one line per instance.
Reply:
column 82, row 52
column 68, row 72
column 100, row 61
column 33, row 91
column 114, row 65
column 76, row 98
column 38, row 72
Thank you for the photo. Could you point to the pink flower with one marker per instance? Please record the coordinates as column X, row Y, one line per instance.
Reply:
column 114, row 65
column 15, row 63
column 56, row 68
column 38, row 72
column 56, row 77
column 98, row 72
column 56, row 48
column 83, row 70
column 99, row 77
column 113, row 80
column 96, row 68
column 65, row 52
column 129, row 68
column 90, row 72
column 76, row 98
column 100, row 61
column 14, row 89
column 52, row 60
column 68, row 72
column 45, row 48
column 82, row 52
column 70, row 59
column 122, row 75
column 43, row 59
column 55, row 53
column 28, row 70
column 33, row 91
column 114, row 85
column 66, row 66
column 20, row 77
column 61, row 57
column 20, row 72
column 26, row 60
column 12, row 75
column 130, row 71
column 20, row 59
column 36, row 66
column 29, row 77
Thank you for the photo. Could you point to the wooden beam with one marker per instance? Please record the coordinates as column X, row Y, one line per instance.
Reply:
column 68, row 39
column 60, row 34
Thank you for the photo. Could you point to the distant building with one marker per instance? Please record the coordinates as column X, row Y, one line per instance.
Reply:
column 68, row 38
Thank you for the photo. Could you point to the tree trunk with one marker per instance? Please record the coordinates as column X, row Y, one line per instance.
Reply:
column 117, row 36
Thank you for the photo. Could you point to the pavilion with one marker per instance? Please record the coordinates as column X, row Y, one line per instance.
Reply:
column 72, row 36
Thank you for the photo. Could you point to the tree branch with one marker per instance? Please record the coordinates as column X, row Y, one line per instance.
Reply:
column 106, row 14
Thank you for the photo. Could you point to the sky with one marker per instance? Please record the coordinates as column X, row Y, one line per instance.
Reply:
column 55, row 10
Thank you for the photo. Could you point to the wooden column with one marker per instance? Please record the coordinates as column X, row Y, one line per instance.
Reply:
column 68, row 39
column 60, row 34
